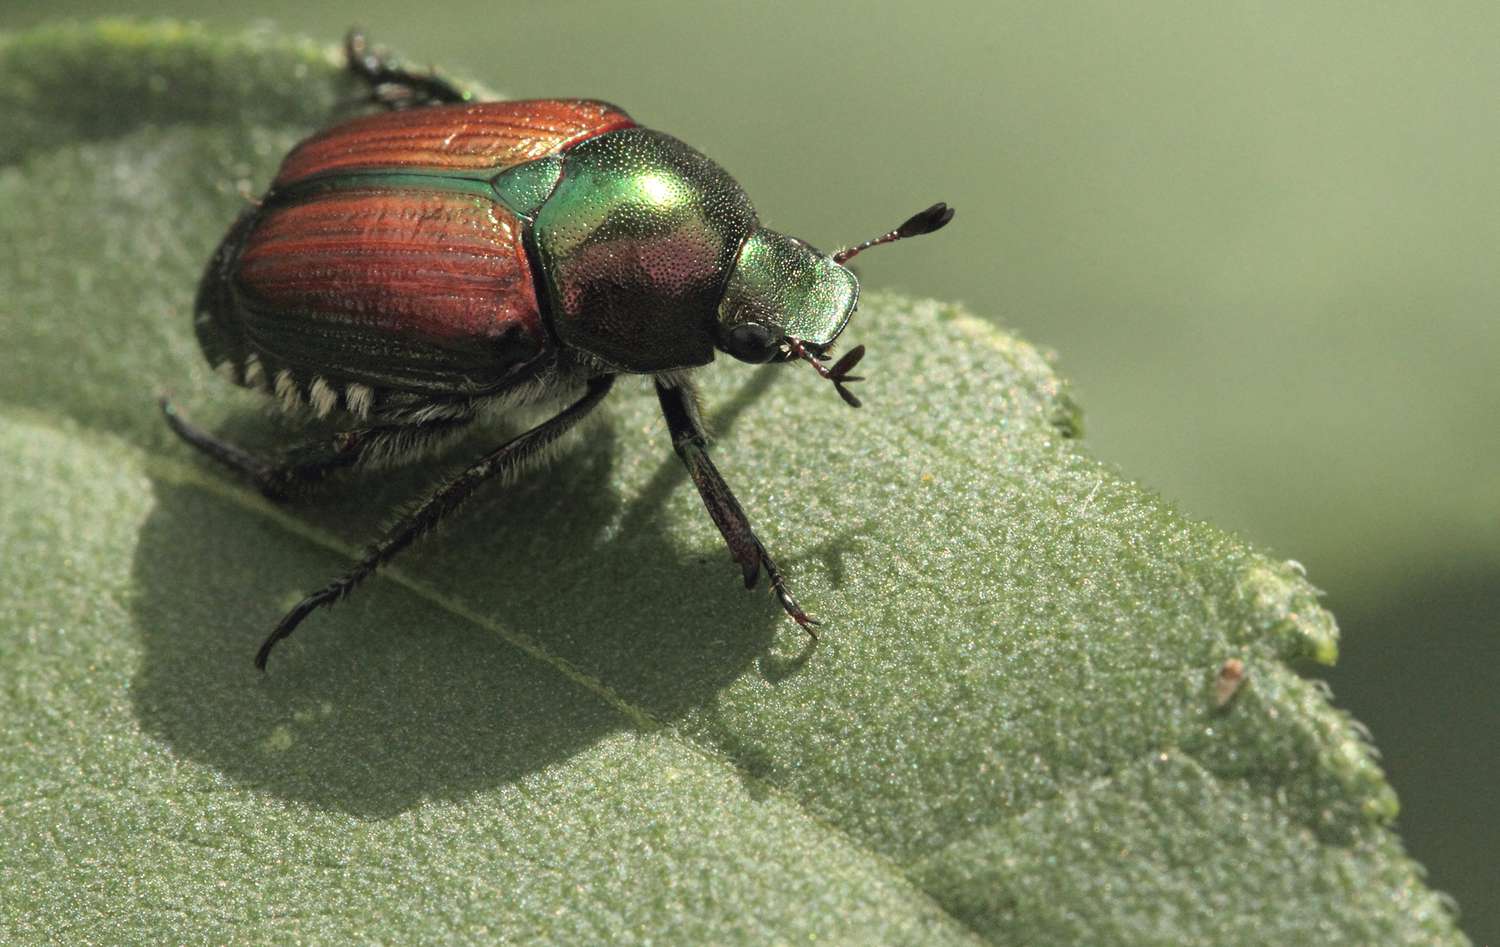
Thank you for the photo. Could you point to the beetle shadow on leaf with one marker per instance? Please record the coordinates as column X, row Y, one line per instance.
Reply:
column 392, row 698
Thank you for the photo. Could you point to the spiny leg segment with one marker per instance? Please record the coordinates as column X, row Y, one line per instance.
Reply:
column 313, row 460
column 678, row 405
column 447, row 498
column 393, row 86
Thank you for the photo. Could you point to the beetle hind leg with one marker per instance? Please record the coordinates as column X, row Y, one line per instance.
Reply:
column 514, row 453
column 310, row 462
column 390, row 84
column 230, row 455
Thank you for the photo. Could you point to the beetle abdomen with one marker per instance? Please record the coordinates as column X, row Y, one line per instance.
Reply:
column 219, row 332
column 455, row 138
column 413, row 290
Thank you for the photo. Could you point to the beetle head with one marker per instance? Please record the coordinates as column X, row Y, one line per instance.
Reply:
column 786, row 299
column 781, row 289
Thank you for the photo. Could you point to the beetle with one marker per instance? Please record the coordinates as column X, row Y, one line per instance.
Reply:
column 440, row 258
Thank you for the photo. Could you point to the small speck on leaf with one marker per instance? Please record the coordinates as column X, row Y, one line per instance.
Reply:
column 1227, row 682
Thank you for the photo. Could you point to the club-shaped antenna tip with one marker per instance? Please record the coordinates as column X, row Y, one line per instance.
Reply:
column 928, row 221
column 933, row 218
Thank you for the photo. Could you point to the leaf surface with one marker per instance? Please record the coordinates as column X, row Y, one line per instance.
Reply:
column 561, row 717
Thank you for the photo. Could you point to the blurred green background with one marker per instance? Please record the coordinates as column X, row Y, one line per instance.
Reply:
column 1263, row 237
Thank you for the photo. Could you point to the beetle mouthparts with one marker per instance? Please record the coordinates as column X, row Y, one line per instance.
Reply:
column 928, row 221
column 838, row 374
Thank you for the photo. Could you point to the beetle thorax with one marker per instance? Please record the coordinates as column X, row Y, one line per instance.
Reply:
column 636, row 244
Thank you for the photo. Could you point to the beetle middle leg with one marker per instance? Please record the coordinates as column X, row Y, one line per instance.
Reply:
column 679, row 405
column 411, row 527
column 313, row 460
column 391, row 85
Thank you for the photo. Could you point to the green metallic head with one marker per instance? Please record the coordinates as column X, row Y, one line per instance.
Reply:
column 782, row 289
column 787, row 300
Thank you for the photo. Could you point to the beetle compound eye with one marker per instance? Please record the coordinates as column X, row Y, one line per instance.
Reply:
column 751, row 342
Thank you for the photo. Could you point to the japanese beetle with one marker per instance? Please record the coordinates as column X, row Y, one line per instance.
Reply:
column 411, row 268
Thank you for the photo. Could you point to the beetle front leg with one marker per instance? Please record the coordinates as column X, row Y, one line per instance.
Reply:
column 679, row 406
column 411, row 527
column 411, row 88
column 310, row 462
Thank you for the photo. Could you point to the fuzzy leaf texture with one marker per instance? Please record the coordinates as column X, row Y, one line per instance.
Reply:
column 562, row 718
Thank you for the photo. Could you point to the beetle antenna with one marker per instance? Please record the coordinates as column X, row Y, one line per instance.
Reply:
column 838, row 374
column 927, row 221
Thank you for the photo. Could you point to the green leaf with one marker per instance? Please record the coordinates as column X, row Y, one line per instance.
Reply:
column 561, row 718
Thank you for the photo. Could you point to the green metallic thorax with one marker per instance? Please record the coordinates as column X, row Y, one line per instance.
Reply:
column 636, row 245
